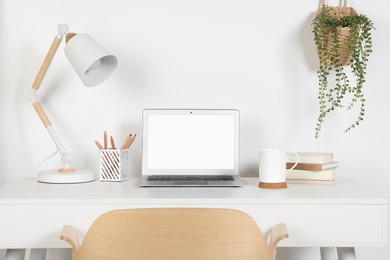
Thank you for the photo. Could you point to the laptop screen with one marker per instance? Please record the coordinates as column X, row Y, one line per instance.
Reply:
column 190, row 141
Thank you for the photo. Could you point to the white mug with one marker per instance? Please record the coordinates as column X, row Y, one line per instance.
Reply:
column 272, row 168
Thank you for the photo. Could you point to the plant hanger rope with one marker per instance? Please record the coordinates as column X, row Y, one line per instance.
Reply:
column 343, row 38
column 344, row 6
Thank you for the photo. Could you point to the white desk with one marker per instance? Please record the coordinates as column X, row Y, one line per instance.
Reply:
column 344, row 215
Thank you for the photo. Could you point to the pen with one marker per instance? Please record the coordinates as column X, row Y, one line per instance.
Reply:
column 105, row 140
column 112, row 143
column 98, row 145
column 126, row 141
column 131, row 142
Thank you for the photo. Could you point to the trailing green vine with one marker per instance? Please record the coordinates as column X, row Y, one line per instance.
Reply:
column 327, row 32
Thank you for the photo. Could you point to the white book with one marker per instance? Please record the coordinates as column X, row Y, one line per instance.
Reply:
column 311, row 157
column 313, row 166
column 311, row 182
column 310, row 175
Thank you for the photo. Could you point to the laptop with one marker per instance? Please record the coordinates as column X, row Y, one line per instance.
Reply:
column 190, row 147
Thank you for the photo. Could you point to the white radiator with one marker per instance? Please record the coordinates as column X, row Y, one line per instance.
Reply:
column 36, row 254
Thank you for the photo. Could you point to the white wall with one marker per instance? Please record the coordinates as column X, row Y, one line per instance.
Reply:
column 257, row 56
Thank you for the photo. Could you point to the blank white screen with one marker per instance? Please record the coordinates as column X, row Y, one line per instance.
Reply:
column 190, row 142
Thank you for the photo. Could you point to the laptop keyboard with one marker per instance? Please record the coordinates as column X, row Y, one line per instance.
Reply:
column 191, row 178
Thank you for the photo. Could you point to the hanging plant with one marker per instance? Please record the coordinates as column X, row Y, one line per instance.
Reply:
column 343, row 38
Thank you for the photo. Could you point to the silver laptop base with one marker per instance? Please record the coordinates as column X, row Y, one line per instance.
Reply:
column 189, row 181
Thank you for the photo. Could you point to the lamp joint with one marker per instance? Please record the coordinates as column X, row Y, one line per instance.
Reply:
column 32, row 96
column 63, row 29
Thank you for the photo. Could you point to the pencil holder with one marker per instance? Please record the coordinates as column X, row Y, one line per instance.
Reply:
column 114, row 165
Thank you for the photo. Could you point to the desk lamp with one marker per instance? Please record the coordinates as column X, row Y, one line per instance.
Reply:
column 93, row 64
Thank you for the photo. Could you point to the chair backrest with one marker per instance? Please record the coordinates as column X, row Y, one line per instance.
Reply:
column 143, row 234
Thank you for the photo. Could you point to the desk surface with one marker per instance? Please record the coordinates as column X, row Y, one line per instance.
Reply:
column 343, row 215
column 29, row 191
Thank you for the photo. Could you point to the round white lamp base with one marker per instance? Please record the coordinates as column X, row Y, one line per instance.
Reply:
column 76, row 176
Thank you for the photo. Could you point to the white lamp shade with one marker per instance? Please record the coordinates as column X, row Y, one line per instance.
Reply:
column 93, row 63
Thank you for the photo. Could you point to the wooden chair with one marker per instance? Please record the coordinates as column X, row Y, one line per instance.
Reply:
column 176, row 233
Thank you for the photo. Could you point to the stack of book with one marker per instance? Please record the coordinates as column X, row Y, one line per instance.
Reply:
column 313, row 168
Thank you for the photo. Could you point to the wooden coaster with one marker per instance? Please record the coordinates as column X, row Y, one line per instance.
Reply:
column 276, row 185
column 62, row 170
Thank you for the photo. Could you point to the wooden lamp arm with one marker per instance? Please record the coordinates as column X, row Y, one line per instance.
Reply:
column 42, row 115
column 63, row 30
column 46, row 63
column 33, row 96
column 69, row 235
column 278, row 233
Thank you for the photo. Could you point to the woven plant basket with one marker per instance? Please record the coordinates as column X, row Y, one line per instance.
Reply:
column 345, row 39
